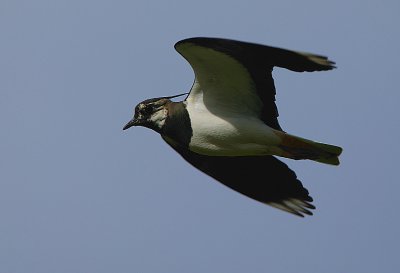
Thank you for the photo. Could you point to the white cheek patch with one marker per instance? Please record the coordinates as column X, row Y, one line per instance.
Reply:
column 158, row 118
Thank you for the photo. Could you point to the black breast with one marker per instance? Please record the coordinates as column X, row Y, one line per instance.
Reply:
column 177, row 125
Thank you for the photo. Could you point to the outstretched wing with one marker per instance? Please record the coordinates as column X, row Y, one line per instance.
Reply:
column 236, row 77
column 263, row 178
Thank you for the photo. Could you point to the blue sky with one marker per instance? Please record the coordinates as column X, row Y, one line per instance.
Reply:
column 77, row 194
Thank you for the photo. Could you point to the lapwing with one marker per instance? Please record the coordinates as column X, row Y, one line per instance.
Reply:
column 227, row 125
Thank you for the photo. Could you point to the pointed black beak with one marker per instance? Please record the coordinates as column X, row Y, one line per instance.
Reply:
column 132, row 122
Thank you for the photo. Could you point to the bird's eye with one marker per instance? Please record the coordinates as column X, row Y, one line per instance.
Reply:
column 148, row 109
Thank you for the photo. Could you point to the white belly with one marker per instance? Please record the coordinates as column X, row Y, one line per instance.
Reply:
column 234, row 136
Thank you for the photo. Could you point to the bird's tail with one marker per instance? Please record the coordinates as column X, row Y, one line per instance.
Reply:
column 299, row 148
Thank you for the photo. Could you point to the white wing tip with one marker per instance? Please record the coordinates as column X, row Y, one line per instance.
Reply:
column 295, row 206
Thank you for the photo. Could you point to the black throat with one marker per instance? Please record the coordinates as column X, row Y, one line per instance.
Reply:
column 177, row 125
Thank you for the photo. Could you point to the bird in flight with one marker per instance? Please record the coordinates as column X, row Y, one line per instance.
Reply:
column 227, row 126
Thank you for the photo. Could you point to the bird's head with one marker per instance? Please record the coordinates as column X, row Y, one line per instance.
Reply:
column 151, row 113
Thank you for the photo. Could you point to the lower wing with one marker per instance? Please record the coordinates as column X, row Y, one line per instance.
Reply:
column 263, row 178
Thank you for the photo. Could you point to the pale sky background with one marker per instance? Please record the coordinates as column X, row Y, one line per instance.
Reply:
column 79, row 195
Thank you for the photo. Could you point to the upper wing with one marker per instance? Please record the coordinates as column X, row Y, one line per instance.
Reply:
column 263, row 178
column 236, row 77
